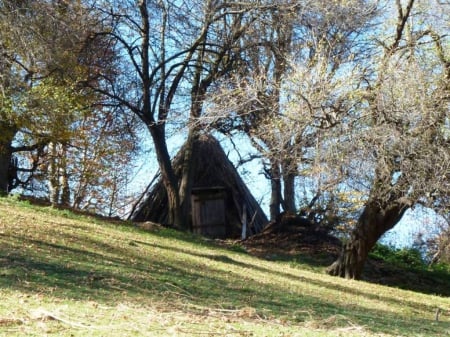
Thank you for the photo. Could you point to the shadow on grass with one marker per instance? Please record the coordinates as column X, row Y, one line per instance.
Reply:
column 80, row 273
column 320, row 282
column 417, row 280
column 420, row 280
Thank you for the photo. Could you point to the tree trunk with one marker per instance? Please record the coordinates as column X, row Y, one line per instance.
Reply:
column 8, row 133
column 53, row 176
column 5, row 161
column 372, row 224
column 289, row 193
column 275, row 197
column 64, row 177
column 185, row 188
column 198, row 92
column 168, row 177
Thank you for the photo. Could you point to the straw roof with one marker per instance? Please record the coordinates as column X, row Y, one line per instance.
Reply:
column 211, row 169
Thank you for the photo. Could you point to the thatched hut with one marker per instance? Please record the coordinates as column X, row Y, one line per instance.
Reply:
column 221, row 205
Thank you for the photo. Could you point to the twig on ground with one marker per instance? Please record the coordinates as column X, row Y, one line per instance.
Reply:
column 42, row 314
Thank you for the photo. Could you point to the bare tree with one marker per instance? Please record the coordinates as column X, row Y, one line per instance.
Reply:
column 402, row 131
column 281, row 97
column 172, row 52
column 355, row 117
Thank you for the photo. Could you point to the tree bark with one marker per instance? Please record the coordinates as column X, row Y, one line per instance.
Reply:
column 374, row 221
column 289, row 192
column 185, row 188
column 275, row 197
column 64, row 177
column 5, row 160
column 198, row 92
column 7, row 135
column 53, row 177
column 168, row 177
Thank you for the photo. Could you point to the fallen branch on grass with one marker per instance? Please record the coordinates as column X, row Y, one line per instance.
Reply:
column 44, row 315
column 10, row 321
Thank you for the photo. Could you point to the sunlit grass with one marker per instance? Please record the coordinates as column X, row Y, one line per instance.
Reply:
column 71, row 275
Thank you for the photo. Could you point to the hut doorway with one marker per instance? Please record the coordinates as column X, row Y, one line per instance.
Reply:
column 209, row 211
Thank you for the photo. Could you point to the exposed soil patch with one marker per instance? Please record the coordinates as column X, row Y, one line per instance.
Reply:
column 292, row 236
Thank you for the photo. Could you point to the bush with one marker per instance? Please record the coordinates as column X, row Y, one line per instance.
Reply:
column 441, row 267
column 408, row 257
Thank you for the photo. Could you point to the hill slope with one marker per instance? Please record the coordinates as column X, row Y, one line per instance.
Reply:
column 67, row 275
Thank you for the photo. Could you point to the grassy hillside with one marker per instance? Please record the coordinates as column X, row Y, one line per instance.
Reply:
column 68, row 275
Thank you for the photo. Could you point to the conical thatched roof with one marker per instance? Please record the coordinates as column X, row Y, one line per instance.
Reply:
column 212, row 170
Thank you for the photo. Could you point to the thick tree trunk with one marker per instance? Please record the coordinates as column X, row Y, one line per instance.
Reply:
column 168, row 177
column 275, row 197
column 185, row 188
column 372, row 224
column 5, row 161
column 289, row 172
column 289, row 193
column 6, row 151
column 197, row 98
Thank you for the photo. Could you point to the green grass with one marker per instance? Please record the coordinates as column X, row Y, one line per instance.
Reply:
column 63, row 274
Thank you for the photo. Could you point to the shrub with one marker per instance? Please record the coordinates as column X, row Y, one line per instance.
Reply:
column 409, row 257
